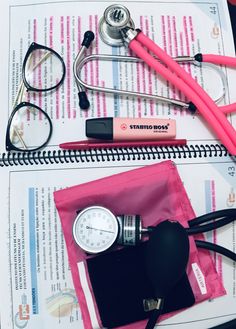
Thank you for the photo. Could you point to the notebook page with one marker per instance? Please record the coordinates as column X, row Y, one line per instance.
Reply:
column 36, row 274
column 61, row 25
column 48, row 21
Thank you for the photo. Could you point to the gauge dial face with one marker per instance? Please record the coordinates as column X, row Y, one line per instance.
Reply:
column 95, row 229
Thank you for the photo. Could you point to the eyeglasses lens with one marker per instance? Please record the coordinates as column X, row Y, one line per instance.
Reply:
column 29, row 129
column 43, row 69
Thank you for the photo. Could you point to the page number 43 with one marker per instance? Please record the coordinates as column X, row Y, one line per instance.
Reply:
column 232, row 171
column 213, row 10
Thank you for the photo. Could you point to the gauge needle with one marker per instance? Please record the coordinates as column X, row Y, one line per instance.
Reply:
column 98, row 229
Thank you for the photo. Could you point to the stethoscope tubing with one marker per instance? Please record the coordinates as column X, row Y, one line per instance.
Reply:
column 216, row 248
column 211, row 226
column 231, row 212
column 198, row 60
column 209, row 110
column 219, row 60
column 168, row 68
column 206, row 58
column 227, row 109
column 218, row 219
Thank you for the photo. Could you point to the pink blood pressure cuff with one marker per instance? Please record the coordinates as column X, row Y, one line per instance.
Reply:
column 156, row 193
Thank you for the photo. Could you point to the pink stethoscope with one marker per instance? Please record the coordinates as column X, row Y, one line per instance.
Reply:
column 192, row 90
column 116, row 28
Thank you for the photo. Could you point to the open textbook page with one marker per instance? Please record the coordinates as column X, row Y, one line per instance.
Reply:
column 35, row 276
column 36, row 282
column 203, row 26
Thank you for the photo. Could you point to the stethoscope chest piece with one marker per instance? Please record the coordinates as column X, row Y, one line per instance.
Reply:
column 115, row 18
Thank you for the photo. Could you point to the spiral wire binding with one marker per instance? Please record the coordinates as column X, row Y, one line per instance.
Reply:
column 112, row 154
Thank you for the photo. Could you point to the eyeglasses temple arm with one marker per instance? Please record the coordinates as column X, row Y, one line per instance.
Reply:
column 20, row 138
column 42, row 60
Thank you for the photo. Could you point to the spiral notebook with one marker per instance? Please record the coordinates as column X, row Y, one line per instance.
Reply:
column 209, row 152
column 35, row 276
column 36, row 270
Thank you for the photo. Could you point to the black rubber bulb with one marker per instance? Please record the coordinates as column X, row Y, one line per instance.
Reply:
column 166, row 260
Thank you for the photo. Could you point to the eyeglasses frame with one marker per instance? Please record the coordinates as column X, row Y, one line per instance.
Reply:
column 34, row 46
column 8, row 144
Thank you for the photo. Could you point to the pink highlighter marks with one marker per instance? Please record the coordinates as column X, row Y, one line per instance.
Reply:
column 130, row 128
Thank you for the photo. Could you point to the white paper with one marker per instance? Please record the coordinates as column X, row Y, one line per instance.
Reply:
column 61, row 25
column 210, row 182
column 33, row 247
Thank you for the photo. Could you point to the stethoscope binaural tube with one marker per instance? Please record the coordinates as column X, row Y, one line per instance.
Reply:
column 104, row 57
column 80, row 61
column 83, row 99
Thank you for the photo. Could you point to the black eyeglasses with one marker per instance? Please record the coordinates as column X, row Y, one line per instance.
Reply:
column 29, row 127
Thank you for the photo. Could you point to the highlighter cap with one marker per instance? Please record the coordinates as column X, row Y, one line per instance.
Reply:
column 99, row 128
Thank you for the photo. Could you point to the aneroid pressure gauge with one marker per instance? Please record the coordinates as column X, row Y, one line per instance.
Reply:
column 96, row 229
